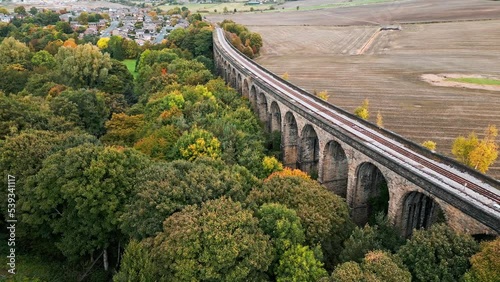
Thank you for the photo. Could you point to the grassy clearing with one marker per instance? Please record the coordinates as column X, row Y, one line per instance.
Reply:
column 130, row 63
column 476, row 80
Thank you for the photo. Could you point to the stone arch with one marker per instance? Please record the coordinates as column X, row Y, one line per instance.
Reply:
column 290, row 140
column 233, row 78
column 419, row 211
column 371, row 194
column 335, row 168
column 238, row 84
column 246, row 89
column 309, row 151
column 253, row 97
column 275, row 122
column 262, row 107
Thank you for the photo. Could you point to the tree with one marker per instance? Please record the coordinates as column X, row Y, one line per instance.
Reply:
column 478, row 154
column 20, row 10
column 376, row 266
column 13, row 51
column 431, row 145
column 219, row 241
column 380, row 120
column 123, row 129
column 283, row 226
column 323, row 95
column 285, row 76
column 309, row 199
column 362, row 111
column 485, row 265
column 43, row 59
column 20, row 113
column 381, row 236
column 438, row 254
column 78, row 195
column 167, row 188
column 159, row 144
column 85, row 108
column 197, row 143
column 33, row 11
column 299, row 263
column 83, row 66
column 136, row 264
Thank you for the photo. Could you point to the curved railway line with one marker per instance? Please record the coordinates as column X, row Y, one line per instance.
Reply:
column 455, row 180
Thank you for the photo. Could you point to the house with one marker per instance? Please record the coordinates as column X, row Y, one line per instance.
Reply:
column 5, row 18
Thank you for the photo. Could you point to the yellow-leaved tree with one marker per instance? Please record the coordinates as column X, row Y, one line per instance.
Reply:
column 362, row 111
column 479, row 154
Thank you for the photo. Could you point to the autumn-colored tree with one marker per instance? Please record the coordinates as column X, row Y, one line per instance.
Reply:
column 485, row 264
column 197, row 143
column 431, row 145
column 323, row 95
column 362, row 111
column 123, row 129
column 479, row 154
column 380, row 120
column 289, row 172
column 70, row 43
column 270, row 165
column 285, row 76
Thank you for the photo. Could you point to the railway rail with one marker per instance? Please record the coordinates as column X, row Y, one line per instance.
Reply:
column 461, row 183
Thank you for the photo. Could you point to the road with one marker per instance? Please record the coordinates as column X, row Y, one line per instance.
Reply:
column 161, row 35
column 460, row 183
column 107, row 31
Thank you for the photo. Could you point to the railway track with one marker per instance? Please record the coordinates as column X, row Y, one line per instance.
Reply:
column 458, row 181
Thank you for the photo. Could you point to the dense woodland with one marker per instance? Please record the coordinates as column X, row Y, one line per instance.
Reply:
column 169, row 176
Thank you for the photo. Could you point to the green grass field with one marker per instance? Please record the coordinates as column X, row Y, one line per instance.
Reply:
column 130, row 63
column 475, row 80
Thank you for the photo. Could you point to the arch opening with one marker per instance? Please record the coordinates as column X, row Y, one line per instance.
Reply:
column 246, row 89
column 309, row 151
column 262, row 107
column 274, row 135
column 335, row 169
column 420, row 212
column 371, row 194
column 290, row 140
column 239, row 87
column 233, row 78
column 253, row 97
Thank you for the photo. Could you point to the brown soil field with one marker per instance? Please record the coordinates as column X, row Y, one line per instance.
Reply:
column 319, row 50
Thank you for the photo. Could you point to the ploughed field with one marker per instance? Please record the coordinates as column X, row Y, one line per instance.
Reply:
column 357, row 61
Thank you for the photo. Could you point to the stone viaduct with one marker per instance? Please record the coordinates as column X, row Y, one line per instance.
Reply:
column 356, row 169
